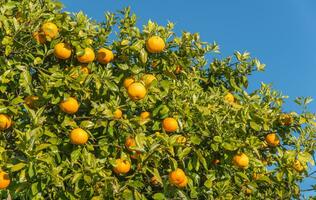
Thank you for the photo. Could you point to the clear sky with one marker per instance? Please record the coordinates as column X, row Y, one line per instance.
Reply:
column 281, row 33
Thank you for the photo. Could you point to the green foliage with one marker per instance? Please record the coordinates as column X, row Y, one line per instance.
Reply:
column 44, row 165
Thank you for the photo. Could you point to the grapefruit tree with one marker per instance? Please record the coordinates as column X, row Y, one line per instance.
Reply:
column 143, row 116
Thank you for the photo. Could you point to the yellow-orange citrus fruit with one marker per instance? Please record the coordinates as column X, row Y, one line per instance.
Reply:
column 130, row 142
column 87, row 57
column 127, row 82
column 154, row 181
column 286, row 119
column 183, row 184
column 39, row 37
column 69, row 105
column 148, row 79
column 78, row 136
column 62, row 51
column 241, row 160
column 5, row 121
column 144, row 115
column 272, row 139
column 121, row 166
column 169, row 124
column 50, row 29
column 229, row 98
column 31, row 100
column 117, row 114
column 104, row 56
column 4, row 180
column 136, row 91
column 177, row 177
column 155, row 44
column 298, row 166
column 248, row 191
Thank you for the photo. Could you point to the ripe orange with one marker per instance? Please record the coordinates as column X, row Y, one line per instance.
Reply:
column 144, row 115
column 121, row 166
column 178, row 177
column 183, row 183
column 229, row 98
column 39, row 37
column 117, row 114
column 241, row 160
column 105, row 56
column 127, row 82
column 169, row 124
column 136, row 91
column 62, row 51
column 4, row 180
column 286, row 119
column 148, row 79
column 298, row 166
column 87, row 57
column 155, row 44
column 5, row 121
column 30, row 101
column 130, row 142
column 78, row 136
column 272, row 139
column 50, row 29
column 69, row 105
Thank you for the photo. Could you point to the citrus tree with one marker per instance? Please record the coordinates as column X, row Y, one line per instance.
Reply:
column 142, row 116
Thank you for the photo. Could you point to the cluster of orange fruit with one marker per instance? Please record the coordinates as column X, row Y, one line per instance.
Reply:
column 241, row 160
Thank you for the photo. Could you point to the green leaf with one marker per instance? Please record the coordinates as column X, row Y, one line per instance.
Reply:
column 18, row 167
column 159, row 196
column 255, row 126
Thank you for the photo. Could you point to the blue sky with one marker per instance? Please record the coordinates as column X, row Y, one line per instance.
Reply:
column 281, row 33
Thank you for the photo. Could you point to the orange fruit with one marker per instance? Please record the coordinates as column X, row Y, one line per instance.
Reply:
column 130, row 142
column 50, row 29
column 30, row 101
column 136, row 91
column 286, row 119
column 69, row 105
column 62, row 51
column 5, row 121
column 177, row 177
column 121, row 166
column 135, row 154
column 241, row 160
column 272, row 139
column 169, row 124
column 155, row 44
column 127, row 82
column 87, row 57
column 104, row 56
column 148, row 79
column 78, row 136
column 39, row 37
column 117, row 114
column 183, row 184
column 144, row 115
column 298, row 166
column 229, row 98
column 4, row 180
